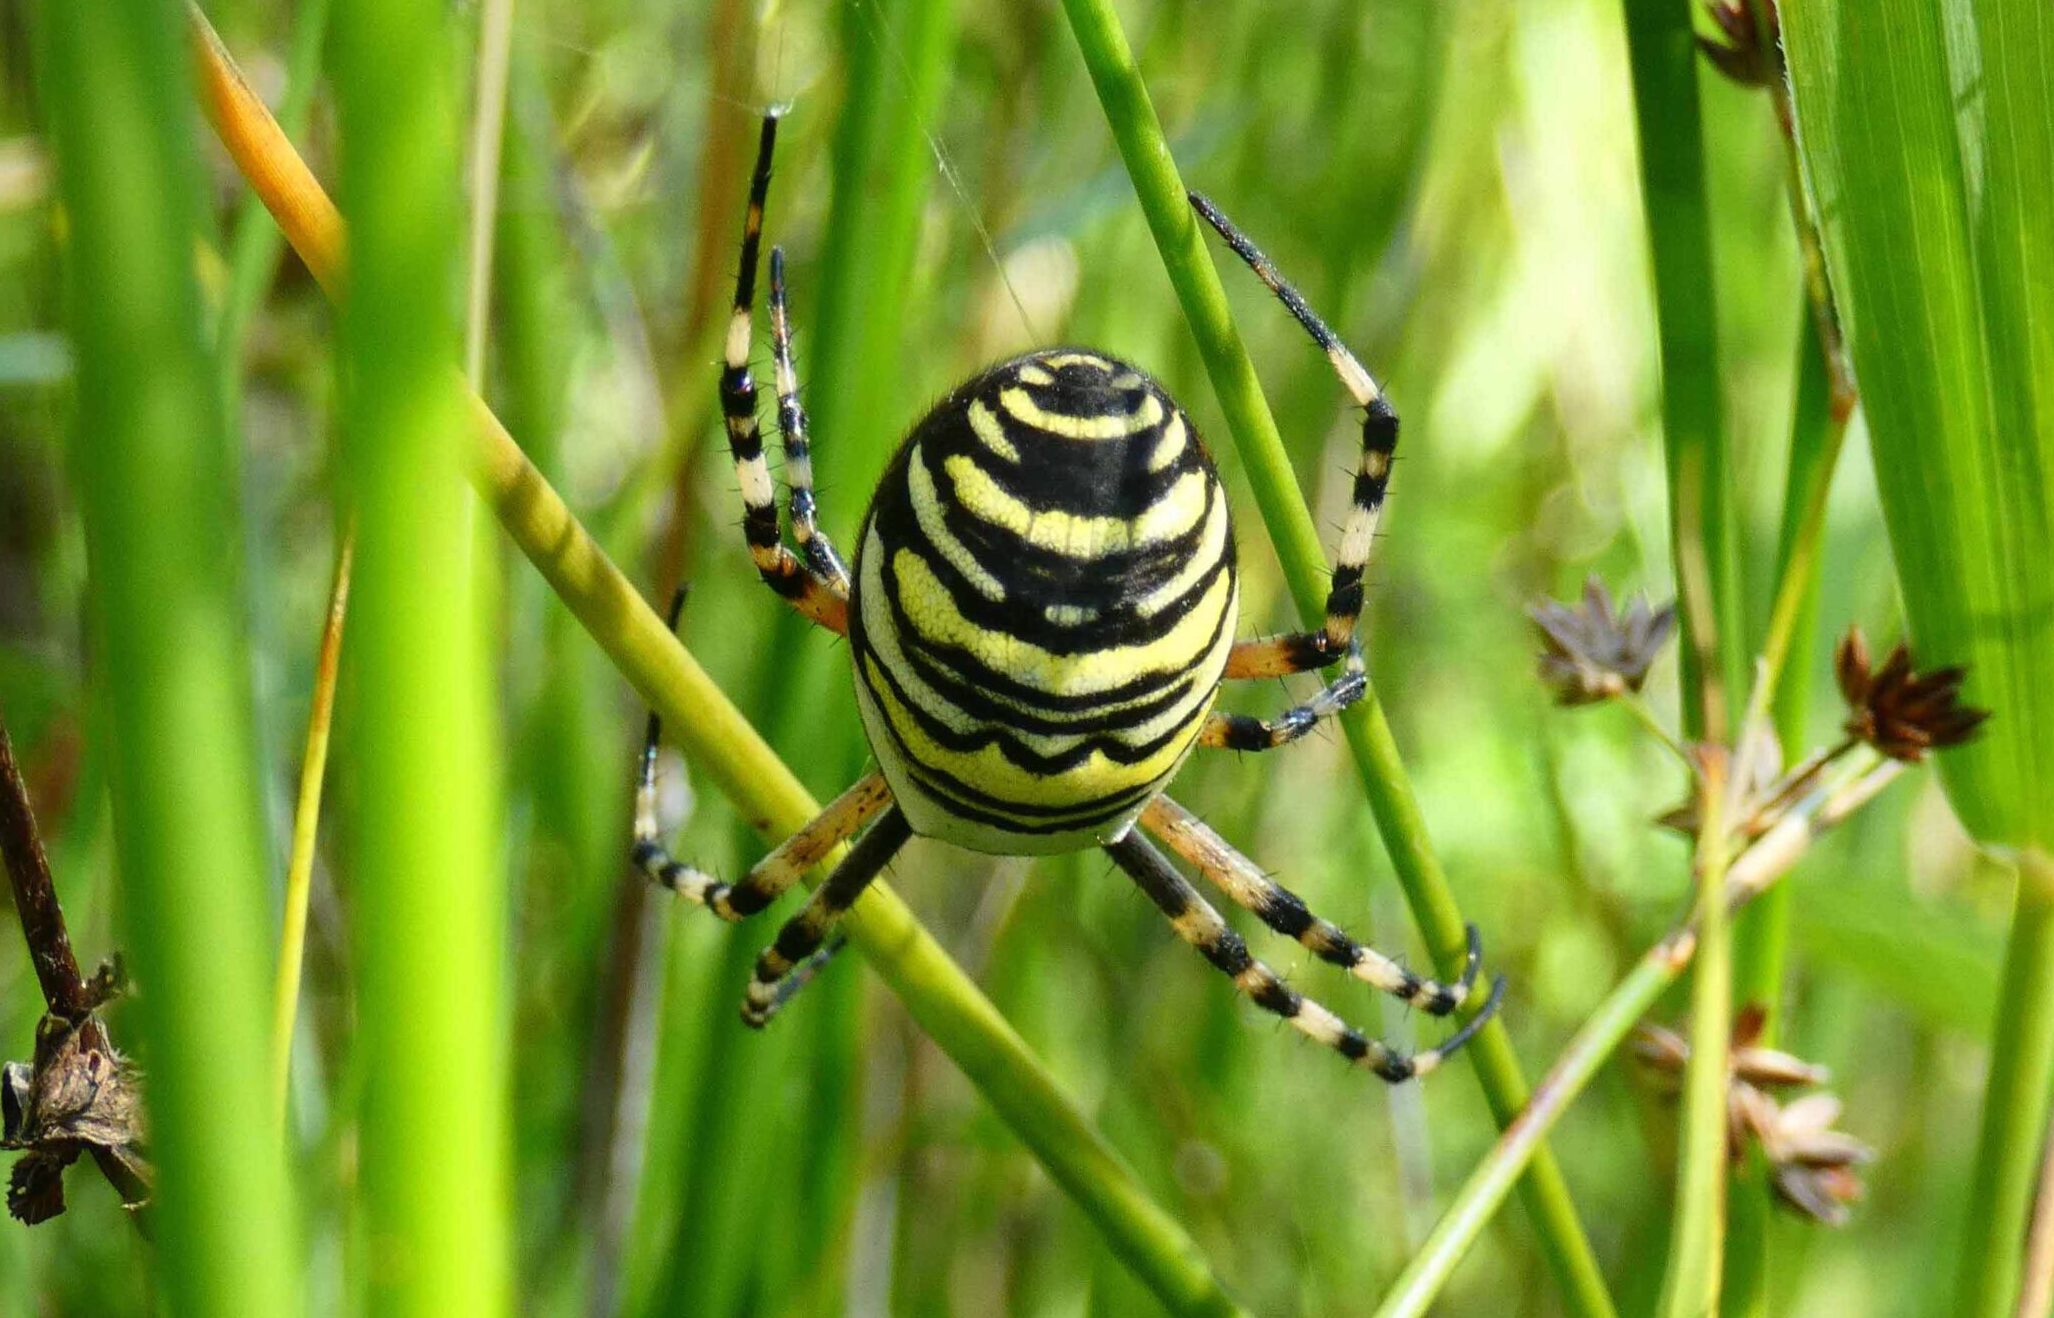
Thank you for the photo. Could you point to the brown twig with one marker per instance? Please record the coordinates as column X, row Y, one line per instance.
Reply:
column 92, row 1106
column 35, row 896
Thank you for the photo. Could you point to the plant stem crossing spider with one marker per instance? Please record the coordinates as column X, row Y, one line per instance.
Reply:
column 1041, row 610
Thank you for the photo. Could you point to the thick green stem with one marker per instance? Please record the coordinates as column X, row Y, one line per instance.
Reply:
column 1136, row 129
column 428, row 886
column 162, row 521
column 2015, row 1102
column 1697, row 1230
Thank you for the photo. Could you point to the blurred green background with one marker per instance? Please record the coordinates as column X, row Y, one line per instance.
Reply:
column 1456, row 188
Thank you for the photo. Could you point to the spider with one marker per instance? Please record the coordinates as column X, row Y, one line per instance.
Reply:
column 1040, row 613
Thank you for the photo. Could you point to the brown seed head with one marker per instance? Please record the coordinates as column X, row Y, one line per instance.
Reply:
column 1902, row 713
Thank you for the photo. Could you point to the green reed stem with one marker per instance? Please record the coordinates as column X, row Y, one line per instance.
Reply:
column 428, row 887
column 2015, row 1101
column 1704, row 544
column 1136, row 129
column 162, row 520
column 1761, row 937
column 1698, row 1230
column 1664, row 58
column 942, row 1000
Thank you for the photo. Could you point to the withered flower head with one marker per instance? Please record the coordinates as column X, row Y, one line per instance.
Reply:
column 1592, row 651
column 1814, row 1167
column 76, row 1097
column 1742, row 56
column 1901, row 713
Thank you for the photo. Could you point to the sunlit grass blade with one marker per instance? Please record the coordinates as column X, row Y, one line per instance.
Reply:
column 1932, row 201
column 939, row 996
column 306, row 819
column 427, row 884
column 162, row 520
column 1954, row 353
column 1138, row 131
column 1699, row 469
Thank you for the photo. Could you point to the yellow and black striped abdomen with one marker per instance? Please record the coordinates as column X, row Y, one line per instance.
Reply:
column 1044, row 599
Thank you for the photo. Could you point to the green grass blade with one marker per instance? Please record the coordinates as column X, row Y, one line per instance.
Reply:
column 897, row 56
column 1679, row 223
column 163, row 539
column 427, row 882
column 1947, row 312
column 1712, row 653
column 256, row 244
column 1930, row 188
column 1138, row 131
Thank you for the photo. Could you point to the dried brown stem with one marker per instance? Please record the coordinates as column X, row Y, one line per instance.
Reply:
column 35, row 895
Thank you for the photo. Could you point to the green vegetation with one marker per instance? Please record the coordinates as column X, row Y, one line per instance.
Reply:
column 1574, row 250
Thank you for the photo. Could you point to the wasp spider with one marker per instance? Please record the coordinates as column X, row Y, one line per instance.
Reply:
column 1041, row 610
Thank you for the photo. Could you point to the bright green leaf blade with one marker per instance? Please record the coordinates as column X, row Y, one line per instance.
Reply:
column 1927, row 149
column 161, row 514
column 1942, row 255
column 426, row 882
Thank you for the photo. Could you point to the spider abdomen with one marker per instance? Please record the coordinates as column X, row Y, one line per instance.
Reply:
column 1043, row 603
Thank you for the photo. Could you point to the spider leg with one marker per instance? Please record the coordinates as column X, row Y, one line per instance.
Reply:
column 818, row 595
column 776, row 872
column 1284, row 911
column 771, row 877
column 1240, row 732
column 1198, row 924
column 799, row 942
column 1300, row 651
column 822, row 560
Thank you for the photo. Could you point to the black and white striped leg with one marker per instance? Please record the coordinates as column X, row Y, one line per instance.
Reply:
column 1299, row 652
column 1198, row 924
column 820, row 555
column 776, row 872
column 800, row 941
column 1241, row 732
column 818, row 597
column 770, row 877
column 1284, row 911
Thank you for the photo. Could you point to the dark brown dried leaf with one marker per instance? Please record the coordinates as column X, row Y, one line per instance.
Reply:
column 1592, row 651
column 1902, row 713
